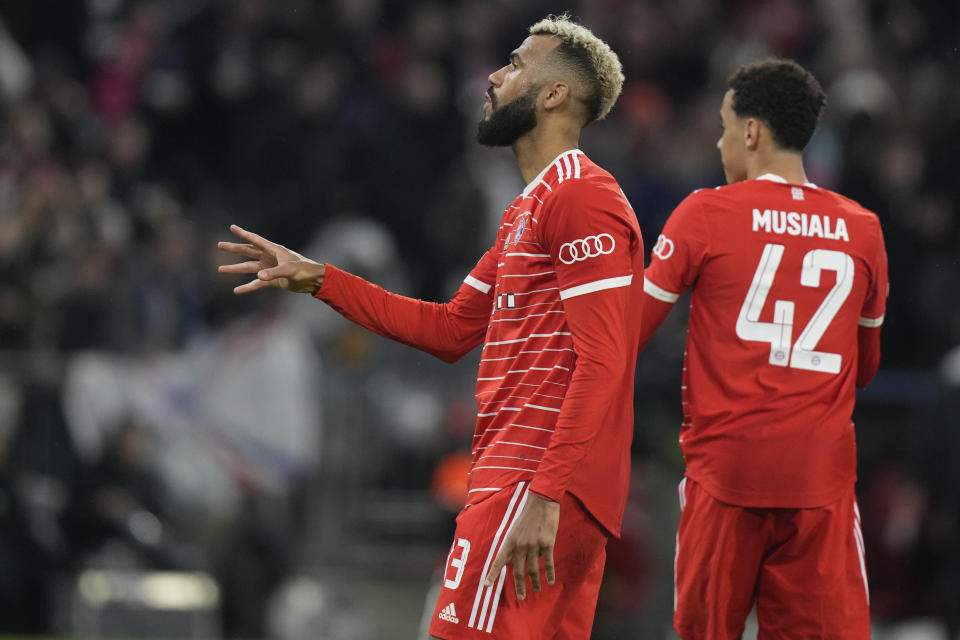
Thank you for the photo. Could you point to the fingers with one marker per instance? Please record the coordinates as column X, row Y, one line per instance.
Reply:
column 519, row 577
column 240, row 267
column 533, row 569
column 498, row 563
column 548, row 566
column 252, row 238
column 286, row 270
column 254, row 285
column 247, row 250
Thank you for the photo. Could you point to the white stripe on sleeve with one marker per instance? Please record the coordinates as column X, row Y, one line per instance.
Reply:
column 479, row 285
column 870, row 323
column 660, row 294
column 597, row 285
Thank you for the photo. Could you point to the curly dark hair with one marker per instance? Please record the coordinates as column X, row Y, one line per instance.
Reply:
column 784, row 95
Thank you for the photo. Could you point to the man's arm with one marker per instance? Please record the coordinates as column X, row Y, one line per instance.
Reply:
column 597, row 324
column 871, row 317
column 656, row 307
column 447, row 331
column 868, row 354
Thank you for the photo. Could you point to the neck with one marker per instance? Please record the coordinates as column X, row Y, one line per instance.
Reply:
column 541, row 146
column 786, row 164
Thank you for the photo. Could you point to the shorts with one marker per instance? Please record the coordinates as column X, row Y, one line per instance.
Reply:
column 561, row 611
column 804, row 570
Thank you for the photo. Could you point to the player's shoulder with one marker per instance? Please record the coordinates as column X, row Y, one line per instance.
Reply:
column 712, row 198
column 849, row 206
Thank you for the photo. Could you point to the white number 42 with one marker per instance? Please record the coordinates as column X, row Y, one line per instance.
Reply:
column 779, row 333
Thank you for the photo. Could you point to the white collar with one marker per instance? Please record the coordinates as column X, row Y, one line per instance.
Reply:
column 772, row 177
column 536, row 181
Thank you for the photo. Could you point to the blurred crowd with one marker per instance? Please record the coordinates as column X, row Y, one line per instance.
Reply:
column 135, row 131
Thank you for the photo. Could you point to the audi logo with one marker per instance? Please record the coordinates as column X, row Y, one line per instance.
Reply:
column 589, row 247
column 664, row 247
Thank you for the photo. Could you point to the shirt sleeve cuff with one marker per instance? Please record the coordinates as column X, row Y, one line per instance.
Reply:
column 330, row 272
column 547, row 493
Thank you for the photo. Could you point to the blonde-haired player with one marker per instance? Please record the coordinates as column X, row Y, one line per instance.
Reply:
column 553, row 302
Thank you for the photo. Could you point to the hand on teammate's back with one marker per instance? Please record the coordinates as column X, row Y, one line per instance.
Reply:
column 274, row 265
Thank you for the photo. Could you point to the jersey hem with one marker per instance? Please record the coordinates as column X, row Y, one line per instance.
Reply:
column 752, row 500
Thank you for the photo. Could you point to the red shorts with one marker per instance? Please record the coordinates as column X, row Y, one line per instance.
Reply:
column 803, row 568
column 563, row 610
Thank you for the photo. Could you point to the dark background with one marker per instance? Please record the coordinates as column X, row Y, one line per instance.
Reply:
column 318, row 492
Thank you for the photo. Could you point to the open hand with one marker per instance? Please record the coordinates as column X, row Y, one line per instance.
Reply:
column 274, row 264
column 531, row 537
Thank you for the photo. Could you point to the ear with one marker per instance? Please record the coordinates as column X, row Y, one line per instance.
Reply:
column 751, row 133
column 556, row 94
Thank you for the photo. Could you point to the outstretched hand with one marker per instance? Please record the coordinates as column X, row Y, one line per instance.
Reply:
column 531, row 537
column 273, row 264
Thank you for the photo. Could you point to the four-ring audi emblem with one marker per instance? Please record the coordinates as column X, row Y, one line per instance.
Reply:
column 664, row 247
column 589, row 247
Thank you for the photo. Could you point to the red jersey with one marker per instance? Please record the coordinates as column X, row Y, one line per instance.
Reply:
column 783, row 276
column 553, row 301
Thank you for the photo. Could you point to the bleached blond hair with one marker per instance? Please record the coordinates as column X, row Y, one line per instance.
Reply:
column 592, row 58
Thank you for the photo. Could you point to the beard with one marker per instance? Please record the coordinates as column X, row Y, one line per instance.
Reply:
column 507, row 123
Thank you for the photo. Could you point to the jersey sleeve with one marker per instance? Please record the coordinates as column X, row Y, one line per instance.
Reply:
column 872, row 314
column 679, row 253
column 446, row 330
column 592, row 245
column 585, row 229
column 875, row 304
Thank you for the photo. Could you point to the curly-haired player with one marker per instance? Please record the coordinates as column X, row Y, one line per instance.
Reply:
column 789, row 291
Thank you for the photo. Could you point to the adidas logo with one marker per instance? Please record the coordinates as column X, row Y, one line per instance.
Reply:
column 449, row 613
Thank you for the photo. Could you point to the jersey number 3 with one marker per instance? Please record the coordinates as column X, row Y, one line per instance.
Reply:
column 779, row 333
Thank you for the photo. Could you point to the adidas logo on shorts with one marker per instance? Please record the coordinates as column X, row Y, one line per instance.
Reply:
column 449, row 613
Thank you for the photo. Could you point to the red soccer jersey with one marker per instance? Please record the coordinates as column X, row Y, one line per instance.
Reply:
column 557, row 294
column 783, row 276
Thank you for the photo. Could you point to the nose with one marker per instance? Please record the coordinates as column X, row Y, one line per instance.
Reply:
column 496, row 78
column 720, row 143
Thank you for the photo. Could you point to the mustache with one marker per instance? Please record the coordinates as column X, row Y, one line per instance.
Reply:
column 493, row 98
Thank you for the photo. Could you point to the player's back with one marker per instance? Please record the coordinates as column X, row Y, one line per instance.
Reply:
column 784, row 276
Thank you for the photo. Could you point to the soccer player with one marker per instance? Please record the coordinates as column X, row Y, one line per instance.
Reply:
column 553, row 302
column 789, row 291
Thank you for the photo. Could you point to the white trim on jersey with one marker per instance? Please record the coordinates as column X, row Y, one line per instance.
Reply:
column 555, row 163
column 518, row 444
column 537, row 406
column 524, row 426
column 870, row 323
column 597, row 285
column 479, row 285
column 493, row 549
column 487, row 415
column 662, row 295
column 528, row 275
column 861, row 549
column 772, row 177
column 529, row 255
column 532, row 335
column 522, row 318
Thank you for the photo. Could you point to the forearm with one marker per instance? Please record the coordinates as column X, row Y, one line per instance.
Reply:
column 447, row 331
column 591, row 391
column 605, row 357
column 868, row 354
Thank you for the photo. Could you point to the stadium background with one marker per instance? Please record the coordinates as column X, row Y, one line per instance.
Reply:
column 300, row 475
